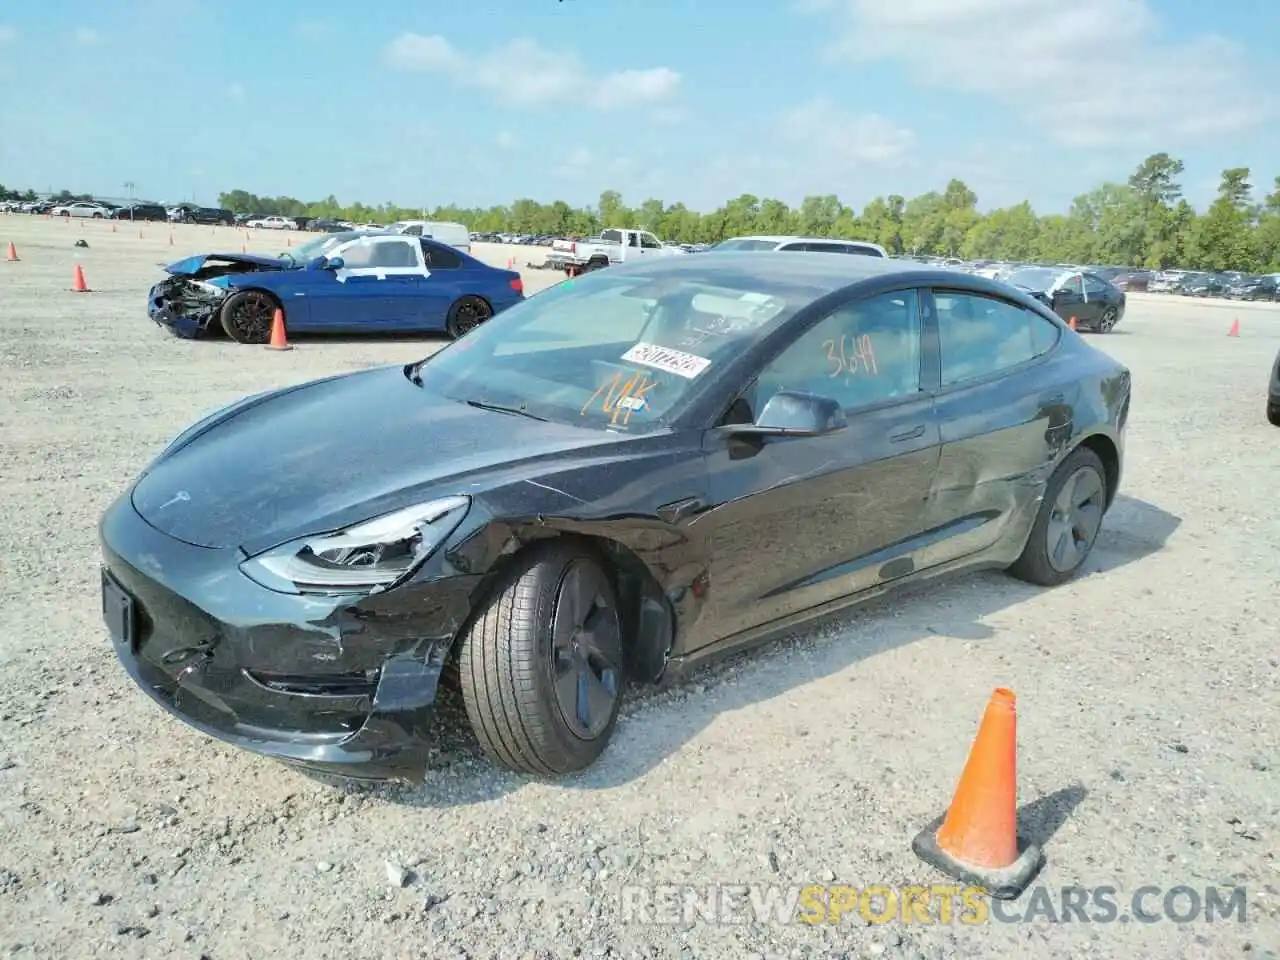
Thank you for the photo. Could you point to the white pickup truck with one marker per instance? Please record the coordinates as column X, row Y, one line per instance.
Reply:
column 612, row 246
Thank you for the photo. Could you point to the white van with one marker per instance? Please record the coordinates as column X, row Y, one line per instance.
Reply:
column 454, row 234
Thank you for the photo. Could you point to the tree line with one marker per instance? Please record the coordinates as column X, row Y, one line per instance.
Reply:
column 1143, row 222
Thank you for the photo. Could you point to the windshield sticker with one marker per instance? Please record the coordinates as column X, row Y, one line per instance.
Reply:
column 682, row 364
column 849, row 355
column 623, row 395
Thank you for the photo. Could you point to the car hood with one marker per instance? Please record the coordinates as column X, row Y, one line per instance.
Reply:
column 333, row 453
column 189, row 266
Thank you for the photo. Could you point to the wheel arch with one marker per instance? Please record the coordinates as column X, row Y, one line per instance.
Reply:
column 1106, row 450
column 648, row 618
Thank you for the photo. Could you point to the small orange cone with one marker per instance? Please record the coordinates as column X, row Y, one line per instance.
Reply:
column 977, row 840
column 278, row 339
column 1235, row 328
column 77, row 281
column 13, row 253
column 1072, row 323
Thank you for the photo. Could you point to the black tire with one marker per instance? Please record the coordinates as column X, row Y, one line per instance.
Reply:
column 525, row 650
column 246, row 316
column 97, row 216
column 466, row 314
column 1107, row 322
column 1041, row 562
column 1273, row 413
column 596, row 263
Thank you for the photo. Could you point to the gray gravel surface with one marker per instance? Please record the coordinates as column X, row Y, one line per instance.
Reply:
column 1147, row 691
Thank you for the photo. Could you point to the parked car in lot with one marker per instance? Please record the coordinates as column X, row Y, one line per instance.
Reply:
column 1131, row 280
column 83, row 208
column 1273, row 393
column 359, row 282
column 455, row 235
column 611, row 482
column 1202, row 285
column 801, row 244
column 192, row 213
column 150, row 212
column 612, row 246
column 1254, row 288
column 1094, row 303
column 273, row 223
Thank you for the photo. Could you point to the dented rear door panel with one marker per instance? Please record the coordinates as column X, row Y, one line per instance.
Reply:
column 1001, row 439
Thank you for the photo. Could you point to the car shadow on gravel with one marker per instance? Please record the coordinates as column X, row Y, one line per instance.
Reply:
column 656, row 723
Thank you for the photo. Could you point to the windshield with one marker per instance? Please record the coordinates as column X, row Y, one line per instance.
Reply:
column 318, row 247
column 618, row 352
column 745, row 243
column 1034, row 278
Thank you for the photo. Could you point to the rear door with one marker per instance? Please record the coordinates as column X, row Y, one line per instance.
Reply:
column 1004, row 412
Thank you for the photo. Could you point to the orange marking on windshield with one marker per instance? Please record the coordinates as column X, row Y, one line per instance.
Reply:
column 621, row 397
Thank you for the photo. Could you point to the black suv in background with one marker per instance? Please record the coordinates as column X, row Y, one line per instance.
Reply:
column 141, row 211
column 190, row 213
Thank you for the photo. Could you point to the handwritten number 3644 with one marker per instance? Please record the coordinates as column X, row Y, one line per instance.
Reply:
column 848, row 355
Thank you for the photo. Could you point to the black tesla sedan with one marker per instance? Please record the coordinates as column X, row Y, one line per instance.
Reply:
column 1096, row 304
column 623, row 476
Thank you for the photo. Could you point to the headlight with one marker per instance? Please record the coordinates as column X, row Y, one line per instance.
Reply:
column 368, row 557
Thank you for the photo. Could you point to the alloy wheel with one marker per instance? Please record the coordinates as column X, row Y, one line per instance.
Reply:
column 470, row 315
column 1075, row 519
column 252, row 318
column 586, row 651
column 1108, row 320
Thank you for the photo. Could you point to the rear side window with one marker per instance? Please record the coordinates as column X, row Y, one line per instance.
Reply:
column 440, row 257
column 828, row 248
column 394, row 255
column 982, row 335
column 861, row 251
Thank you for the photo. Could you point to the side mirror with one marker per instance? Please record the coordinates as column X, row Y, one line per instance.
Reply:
column 790, row 413
column 334, row 263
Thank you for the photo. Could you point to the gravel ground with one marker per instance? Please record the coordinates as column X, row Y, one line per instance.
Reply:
column 1148, row 698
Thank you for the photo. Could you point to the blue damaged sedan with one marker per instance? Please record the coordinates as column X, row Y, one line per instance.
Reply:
column 342, row 283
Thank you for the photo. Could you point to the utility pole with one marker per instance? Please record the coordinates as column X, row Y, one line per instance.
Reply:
column 129, row 186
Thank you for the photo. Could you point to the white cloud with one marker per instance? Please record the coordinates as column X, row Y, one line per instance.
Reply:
column 1091, row 73
column 86, row 37
column 851, row 140
column 7, row 34
column 522, row 72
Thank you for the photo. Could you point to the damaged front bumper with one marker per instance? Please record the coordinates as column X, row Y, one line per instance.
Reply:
column 341, row 686
column 185, row 307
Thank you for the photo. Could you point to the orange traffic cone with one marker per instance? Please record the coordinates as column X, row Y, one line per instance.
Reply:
column 977, row 840
column 13, row 253
column 1072, row 323
column 77, row 281
column 1235, row 328
column 278, row 339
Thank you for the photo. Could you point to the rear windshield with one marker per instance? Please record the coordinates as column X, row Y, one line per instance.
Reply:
column 745, row 243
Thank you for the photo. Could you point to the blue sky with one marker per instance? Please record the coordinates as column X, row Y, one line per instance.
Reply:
column 428, row 102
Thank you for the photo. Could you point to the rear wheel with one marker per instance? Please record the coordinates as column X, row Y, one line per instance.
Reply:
column 1068, row 522
column 1273, row 413
column 247, row 316
column 541, row 664
column 1107, row 322
column 467, row 314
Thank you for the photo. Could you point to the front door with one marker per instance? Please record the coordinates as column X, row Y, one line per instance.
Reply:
column 378, row 287
column 804, row 521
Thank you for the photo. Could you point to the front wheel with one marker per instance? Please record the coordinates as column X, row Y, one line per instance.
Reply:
column 247, row 316
column 1068, row 522
column 467, row 314
column 541, row 663
column 1107, row 322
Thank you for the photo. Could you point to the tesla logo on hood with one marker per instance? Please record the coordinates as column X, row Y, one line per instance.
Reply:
column 180, row 497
